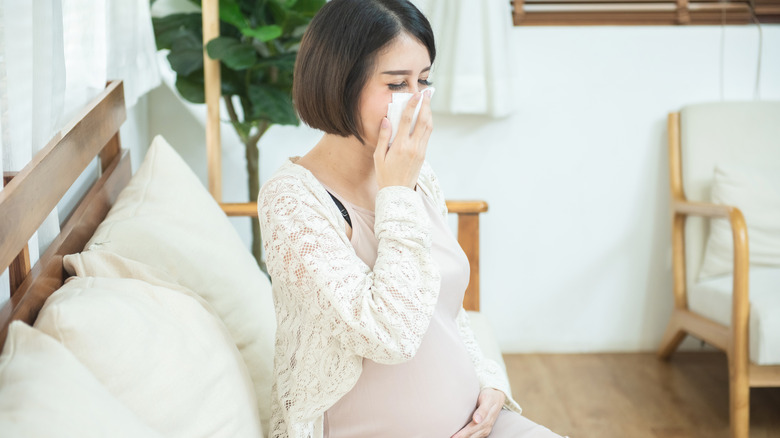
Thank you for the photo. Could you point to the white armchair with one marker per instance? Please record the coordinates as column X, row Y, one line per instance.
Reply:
column 725, row 293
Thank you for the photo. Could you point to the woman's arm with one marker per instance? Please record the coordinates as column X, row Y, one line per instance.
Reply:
column 381, row 314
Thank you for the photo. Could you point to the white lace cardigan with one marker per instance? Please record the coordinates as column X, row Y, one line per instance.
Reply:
column 332, row 310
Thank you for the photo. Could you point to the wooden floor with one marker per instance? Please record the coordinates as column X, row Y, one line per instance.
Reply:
column 635, row 395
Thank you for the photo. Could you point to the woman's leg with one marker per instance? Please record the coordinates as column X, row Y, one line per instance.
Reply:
column 510, row 424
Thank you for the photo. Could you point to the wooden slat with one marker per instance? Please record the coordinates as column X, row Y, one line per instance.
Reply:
column 20, row 267
column 240, row 209
column 211, row 74
column 739, row 381
column 468, row 237
column 764, row 376
column 705, row 329
column 110, row 151
column 704, row 209
column 36, row 190
column 48, row 275
column 469, row 207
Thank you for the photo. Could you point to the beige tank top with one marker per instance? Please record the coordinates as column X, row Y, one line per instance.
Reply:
column 435, row 393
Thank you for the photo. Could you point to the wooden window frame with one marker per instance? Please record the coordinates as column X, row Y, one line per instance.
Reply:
column 643, row 12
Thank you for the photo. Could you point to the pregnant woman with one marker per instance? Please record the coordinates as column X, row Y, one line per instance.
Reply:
column 372, row 339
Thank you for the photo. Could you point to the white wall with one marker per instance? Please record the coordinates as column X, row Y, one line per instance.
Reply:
column 575, row 248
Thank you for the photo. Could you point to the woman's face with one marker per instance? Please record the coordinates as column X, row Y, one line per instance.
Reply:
column 402, row 67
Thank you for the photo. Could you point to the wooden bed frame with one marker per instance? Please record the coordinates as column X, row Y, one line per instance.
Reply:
column 29, row 197
column 31, row 194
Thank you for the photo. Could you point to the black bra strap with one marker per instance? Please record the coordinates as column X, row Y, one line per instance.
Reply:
column 343, row 210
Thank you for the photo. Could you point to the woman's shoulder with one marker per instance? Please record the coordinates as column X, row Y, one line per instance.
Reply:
column 289, row 177
column 291, row 181
column 294, row 188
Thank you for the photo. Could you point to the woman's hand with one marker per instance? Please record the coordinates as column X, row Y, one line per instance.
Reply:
column 400, row 165
column 489, row 404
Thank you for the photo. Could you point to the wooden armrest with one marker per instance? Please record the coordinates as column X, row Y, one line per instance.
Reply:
column 705, row 209
column 467, row 207
column 468, row 237
column 240, row 209
column 456, row 207
column 740, row 306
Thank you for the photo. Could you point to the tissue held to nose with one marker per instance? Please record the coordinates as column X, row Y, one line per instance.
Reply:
column 396, row 107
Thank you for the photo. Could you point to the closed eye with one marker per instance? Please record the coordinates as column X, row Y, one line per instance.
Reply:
column 403, row 85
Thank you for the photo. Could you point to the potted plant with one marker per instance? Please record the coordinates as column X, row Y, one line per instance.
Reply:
column 257, row 47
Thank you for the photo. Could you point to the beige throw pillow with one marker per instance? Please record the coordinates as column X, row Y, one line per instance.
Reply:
column 159, row 351
column 756, row 192
column 167, row 220
column 46, row 392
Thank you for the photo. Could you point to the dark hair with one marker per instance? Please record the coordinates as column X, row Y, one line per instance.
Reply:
column 337, row 54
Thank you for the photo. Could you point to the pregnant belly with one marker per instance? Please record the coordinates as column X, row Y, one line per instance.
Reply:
column 432, row 395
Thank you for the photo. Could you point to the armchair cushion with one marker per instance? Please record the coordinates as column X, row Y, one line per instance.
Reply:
column 713, row 297
column 756, row 192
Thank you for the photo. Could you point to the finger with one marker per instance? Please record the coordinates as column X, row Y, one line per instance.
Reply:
column 424, row 119
column 424, row 140
column 406, row 118
column 383, row 140
column 482, row 412
column 468, row 431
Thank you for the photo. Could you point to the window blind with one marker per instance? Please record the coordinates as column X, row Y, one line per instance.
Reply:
column 643, row 12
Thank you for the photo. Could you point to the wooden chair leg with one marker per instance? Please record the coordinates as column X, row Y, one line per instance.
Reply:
column 739, row 399
column 672, row 339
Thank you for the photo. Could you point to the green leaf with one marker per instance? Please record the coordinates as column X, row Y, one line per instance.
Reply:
column 186, row 55
column 269, row 103
column 233, row 82
column 307, row 7
column 283, row 61
column 263, row 33
column 172, row 27
column 191, row 87
column 233, row 53
column 231, row 13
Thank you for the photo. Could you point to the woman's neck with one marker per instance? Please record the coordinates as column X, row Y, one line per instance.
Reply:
column 345, row 165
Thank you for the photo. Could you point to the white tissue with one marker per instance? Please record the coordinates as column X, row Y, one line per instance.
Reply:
column 396, row 107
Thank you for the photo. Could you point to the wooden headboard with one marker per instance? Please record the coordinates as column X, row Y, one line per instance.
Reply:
column 31, row 194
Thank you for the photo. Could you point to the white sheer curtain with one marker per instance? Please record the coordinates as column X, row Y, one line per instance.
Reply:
column 55, row 56
column 472, row 74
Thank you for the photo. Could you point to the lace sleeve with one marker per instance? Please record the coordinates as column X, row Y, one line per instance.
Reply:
column 488, row 371
column 381, row 314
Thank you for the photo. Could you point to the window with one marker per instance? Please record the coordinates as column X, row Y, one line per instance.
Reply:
column 643, row 12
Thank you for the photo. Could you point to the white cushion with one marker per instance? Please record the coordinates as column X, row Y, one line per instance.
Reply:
column 483, row 332
column 159, row 351
column 721, row 132
column 756, row 192
column 46, row 392
column 165, row 218
column 713, row 297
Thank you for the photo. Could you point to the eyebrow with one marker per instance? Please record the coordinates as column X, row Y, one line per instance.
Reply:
column 403, row 72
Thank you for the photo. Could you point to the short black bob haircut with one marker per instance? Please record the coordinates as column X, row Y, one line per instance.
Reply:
column 337, row 55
